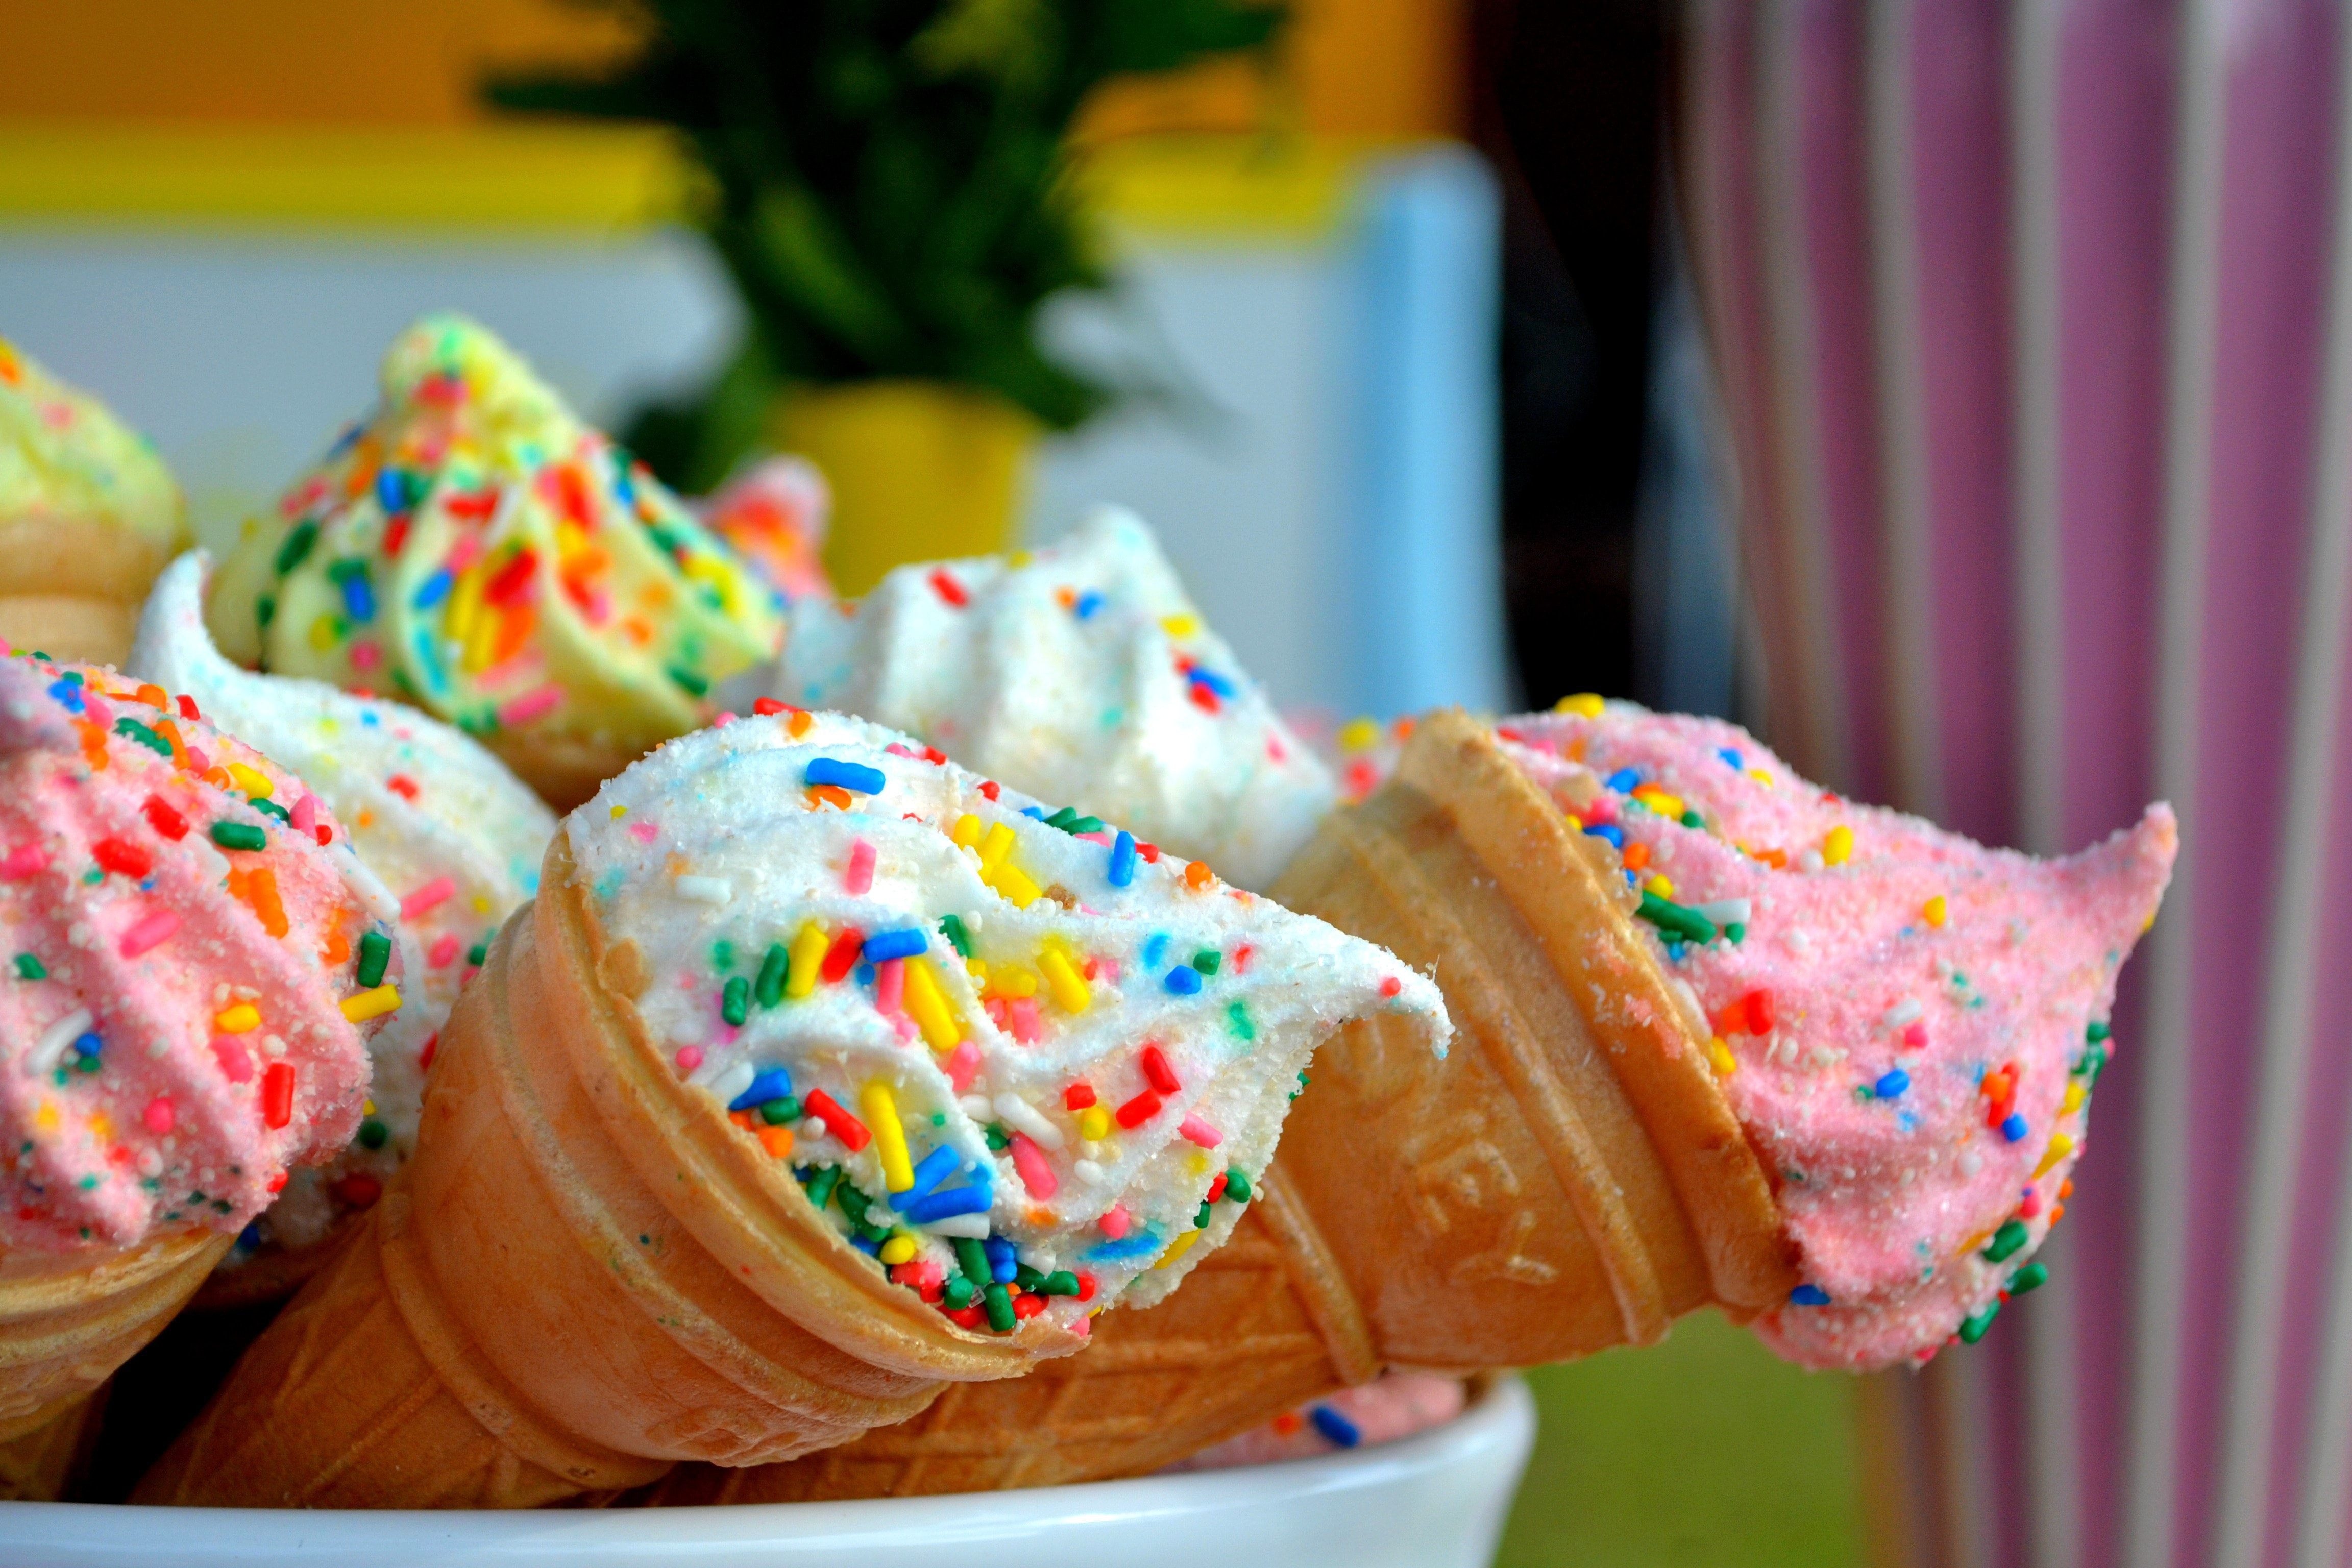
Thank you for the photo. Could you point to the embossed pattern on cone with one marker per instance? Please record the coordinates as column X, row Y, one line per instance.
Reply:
column 1567, row 1179
column 585, row 1275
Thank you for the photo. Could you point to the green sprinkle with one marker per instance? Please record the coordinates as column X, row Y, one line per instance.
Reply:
column 952, row 927
column 30, row 968
column 997, row 1139
column 94, row 876
column 477, row 953
column 855, row 1204
column 1737, row 932
column 1238, row 1184
column 1060, row 1282
column 375, row 954
column 1972, row 1329
column 265, row 610
column 1692, row 819
column 1000, row 1308
column 240, row 836
column 2006, row 1241
column 776, row 1112
column 1241, row 1021
column 972, row 1258
column 373, row 1134
column 723, row 955
column 820, row 1186
column 298, row 545
column 959, row 1292
column 2032, row 1276
column 2097, row 1032
column 693, row 682
column 144, row 736
column 86, row 1064
column 1067, row 819
column 1208, row 961
column 1201, row 1219
column 270, row 808
column 1026, row 1277
column 1676, row 920
column 774, row 970
column 735, row 1006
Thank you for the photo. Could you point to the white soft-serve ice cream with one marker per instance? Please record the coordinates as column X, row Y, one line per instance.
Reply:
column 1027, row 1063
column 455, row 836
column 1079, row 672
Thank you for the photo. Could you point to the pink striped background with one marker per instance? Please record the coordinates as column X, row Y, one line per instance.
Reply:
column 2033, row 322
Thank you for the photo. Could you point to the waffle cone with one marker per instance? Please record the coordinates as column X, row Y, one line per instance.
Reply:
column 562, row 770
column 1567, row 1179
column 584, row 1275
column 73, row 587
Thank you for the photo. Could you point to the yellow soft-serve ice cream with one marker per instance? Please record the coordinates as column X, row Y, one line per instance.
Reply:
column 88, row 515
column 475, row 548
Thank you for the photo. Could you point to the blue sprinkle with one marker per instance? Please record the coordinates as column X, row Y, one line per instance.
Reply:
column 1673, row 953
column 931, row 1206
column 1155, row 948
column 359, row 597
column 1891, row 1083
column 1211, row 679
column 2014, row 1128
column 933, row 1168
column 1337, row 1429
column 1809, row 1295
column 89, row 1044
column 1122, row 858
column 1035, row 811
column 1623, row 780
column 1001, row 1262
column 1608, row 830
column 390, row 493
column 69, row 693
column 1089, row 602
column 1183, row 980
column 865, row 1247
column 768, row 1083
column 1134, row 1244
column 854, row 776
column 865, row 973
column 1729, row 755
column 883, row 946
column 249, row 1239
column 433, row 590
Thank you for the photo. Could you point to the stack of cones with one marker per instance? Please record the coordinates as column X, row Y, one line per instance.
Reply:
column 74, row 586
column 1570, row 1178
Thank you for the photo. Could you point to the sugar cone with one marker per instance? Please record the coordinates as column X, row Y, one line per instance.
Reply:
column 72, row 589
column 584, row 1275
column 1568, row 1178
column 66, row 1321
column 562, row 770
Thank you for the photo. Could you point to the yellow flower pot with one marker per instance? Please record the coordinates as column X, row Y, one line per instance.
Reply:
column 920, row 470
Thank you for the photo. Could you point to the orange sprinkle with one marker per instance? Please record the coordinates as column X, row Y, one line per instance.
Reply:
column 798, row 724
column 218, row 776
column 1776, row 859
column 744, row 1119
column 828, row 794
column 257, row 889
column 640, row 630
column 2057, row 1213
column 338, row 946
column 514, row 630
column 777, row 1142
column 1196, row 874
column 170, row 730
column 1637, row 855
column 2066, row 1189
column 154, row 696
column 93, row 744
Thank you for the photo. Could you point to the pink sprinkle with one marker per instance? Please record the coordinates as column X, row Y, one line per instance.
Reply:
column 24, row 862
column 464, row 553
column 2030, row 1205
column 1200, row 1131
column 1036, row 1174
column 1275, row 748
column 158, row 1115
column 530, row 705
column 1022, row 1011
column 236, row 1064
column 962, row 1065
column 198, row 764
column 688, row 1058
column 1107, row 969
column 444, row 952
column 305, row 815
column 644, row 832
column 890, row 985
column 1914, row 1036
column 906, row 1027
column 1601, row 809
column 1114, row 1222
column 901, row 749
column 100, row 711
column 861, row 868
column 366, row 655
column 1242, row 957
column 1084, row 1327
column 150, row 930
column 720, row 720
column 439, row 891
column 1102, row 839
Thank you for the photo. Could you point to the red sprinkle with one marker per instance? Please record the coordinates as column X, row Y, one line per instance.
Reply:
column 1217, row 1187
column 1086, row 1286
column 1157, row 1071
column 963, row 1317
column 278, row 1094
column 1203, row 699
column 158, row 1116
column 824, row 1108
column 1077, row 1097
column 767, row 707
column 1761, row 1013
column 513, row 580
column 163, row 819
column 425, row 1056
column 948, row 588
column 1139, row 1110
column 357, row 1190
column 1151, row 853
column 988, row 788
column 841, row 956
column 1026, row 1306
column 1392, row 985
column 122, row 854
column 395, row 535
column 188, row 709
column 402, row 785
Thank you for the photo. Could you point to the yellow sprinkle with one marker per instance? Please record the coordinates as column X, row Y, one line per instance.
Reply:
column 1015, row 885
column 977, row 969
column 2072, row 1102
column 2060, row 1147
column 899, row 1249
column 1584, row 704
column 808, row 952
column 465, row 608
column 1179, row 626
column 1014, row 981
column 1199, row 1161
column 323, row 633
column 1975, row 1241
column 967, row 830
column 879, row 1108
column 619, row 812
column 1178, row 1248
column 1575, row 823
column 101, row 1126
column 1761, row 776
column 1838, row 846
column 46, row 1118
column 1662, row 886
column 993, row 849
column 1071, row 992
column 373, row 1004
column 1019, row 559
column 1719, row 1054
column 1093, row 1124
column 252, row 781
column 1358, row 733
column 1659, row 801
column 241, row 1019
column 929, row 1007
column 1933, row 910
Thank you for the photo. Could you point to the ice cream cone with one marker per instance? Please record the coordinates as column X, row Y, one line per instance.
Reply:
column 73, row 588
column 1567, row 1178
column 585, row 1275
column 66, row 1323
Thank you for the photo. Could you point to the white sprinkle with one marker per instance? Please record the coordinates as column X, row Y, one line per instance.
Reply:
column 1088, row 1172
column 1022, row 1116
column 1798, row 943
column 977, row 1107
column 1728, row 911
column 732, row 1082
column 57, row 1039
column 1971, row 1161
column 1810, row 861
column 975, row 1226
column 1693, row 1013
column 713, row 891
column 1907, row 1011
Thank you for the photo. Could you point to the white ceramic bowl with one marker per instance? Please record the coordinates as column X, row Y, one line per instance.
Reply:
column 1436, row 1499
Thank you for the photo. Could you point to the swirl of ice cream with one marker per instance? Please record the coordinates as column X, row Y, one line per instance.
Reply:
column 1907, row 1025
column 476, row 549
column 775, row 515
column 443, row 823
column 65, row 457
column 1080, row 672
column 1001, row 1047
column 194, row 955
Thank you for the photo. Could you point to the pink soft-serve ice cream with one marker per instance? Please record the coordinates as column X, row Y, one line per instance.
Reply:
column 1908, row 1024
column 191, row 957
